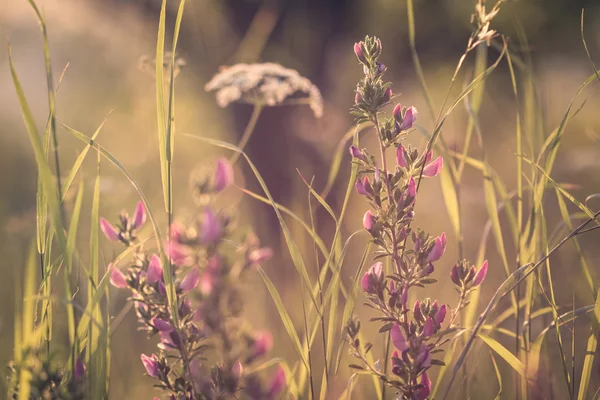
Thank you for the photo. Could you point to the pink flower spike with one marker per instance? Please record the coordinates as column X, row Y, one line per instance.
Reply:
column 109, row 230
column 154, row 270
column 223, row 175
column 424, row 391
column 409, row 118
column 440, row 314
column 368, row 220
column 139, row 217
column 429, row 328
column 210, row 230
column 117, row 278
column 151, row 365
column 437, row 251
column 237, row 370
column 191, row 280
column 398, row 338
column 434, row 168
column 401, row 156
column 481, row 274
column 162, row 325
column 278, row 384
column 263, row 344
column 412, row 188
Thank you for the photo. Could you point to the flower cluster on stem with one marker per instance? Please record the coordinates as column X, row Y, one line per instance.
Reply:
column 416, row 331
column 207, row 351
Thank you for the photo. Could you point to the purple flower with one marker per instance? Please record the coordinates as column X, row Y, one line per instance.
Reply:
column 374, row 274
column 263, row 343
column 169, row 340
column 161, row 325
column 151, row 365
column 207, row 283
column 178, row 253
column 109, row 231
column 433, row 168
column 401, row 157
column 80, row 369
column 412, row 188
column 190, row 281
column 368, row 220
column 364, row 187
column 358, row 50
column 356, row 153
column 398, row 338
column 210, row 228
column 176, row 232
column 278, row 383
column 417, row 310
column 259, row 255
column 223, row 175
column 154, row 270
column 481, row 274
column 409, row 118
column 438, row 248
column 429, row 327
column 387, row 96
column 397, row 113
column 440, row 314
column 454, row 275
column 423, row 359
column 117, row 278
column 425, row 390
column 139, row 217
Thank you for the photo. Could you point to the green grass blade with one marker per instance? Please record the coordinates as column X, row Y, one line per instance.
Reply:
column 592, row 344
column 513, row 361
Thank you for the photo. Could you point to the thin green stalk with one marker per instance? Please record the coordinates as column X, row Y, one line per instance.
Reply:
column 248, row 131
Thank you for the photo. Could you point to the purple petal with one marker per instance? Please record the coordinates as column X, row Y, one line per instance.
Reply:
column 401, row 157
column 117, row 278
column 223, row 175
column 162, row 325
column 109, row 231
column 424, row 391
column 190, row 281
column 429, row 328
column 364, row 282
column 151, row 365
column 434, row 168
column 368, row 220
column 440, row 314
column 155, row 271
column 210, row 229
column 80, row 369
column 356, row 153
column 278, row 383
column 438, row 248
column 409, row 118
column 397, row 113
column 139, row 217
column 481, row 274
column 398, row 338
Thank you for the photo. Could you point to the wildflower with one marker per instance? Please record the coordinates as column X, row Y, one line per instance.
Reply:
column 109, row 231
column 481, row 274
column 178, row 253
column 398, row 338
column 190, row 281
column 207, row 283
column 139, row 217
column 387, row 95
column 410, row 116
column 364, row 186
column 368, row 220
column 263, row 343
column 440, row 315
column 79, row 371
column 412, row 188
column 397, row 113
column 401, row 157
column 434, row 168
column 117, row 278
column 223, row 175
column 278, row 383
column 358, row 51
column 237, row 370
column 429, row 327
column 154, row 270
column 210, row 229
column 438, row 248
column 259, row 255
column 161, row 325
column 356, row 153
column 425, row 387
column 370, row 282
column 151, row 365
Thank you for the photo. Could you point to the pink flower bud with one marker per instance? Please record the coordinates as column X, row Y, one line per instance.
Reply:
column 210, row 230
column 151, row 365
column 356, row 153
column 154, row 270
column 409, row 118
column 429, row 327
column 363, row 187
column 161, row 325
column 237, row 370
column 223, row 175
column 425, row 390
column 438, row 248
column 117, row 278
column 412, row 188
column 423, row 359
column 440, row 314
column 401, row 157
column 359, row 52
column 278, row 384
column 139, row 217
column 387, row 96
column 397, row 113
column 109, row 231
column 79, row 371
column 263, row 344
column 190, row 281
column 434, row 168
column 481, row 274
column 454, row 275
column 368, row 220
column 398, row 338
column 357, row 98
column 260, row 255
column 176, row 232
column 178, row 253
column 375, row 273
column 417, row 310
column 207, row 283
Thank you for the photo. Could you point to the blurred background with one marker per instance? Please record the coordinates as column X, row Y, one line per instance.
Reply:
column 104, row 41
